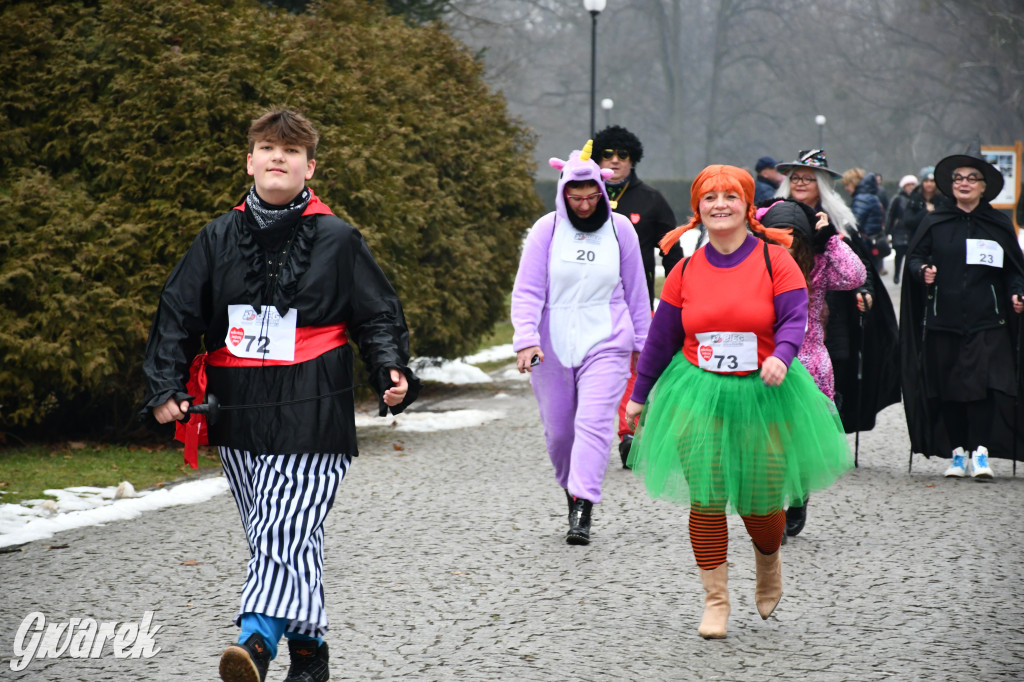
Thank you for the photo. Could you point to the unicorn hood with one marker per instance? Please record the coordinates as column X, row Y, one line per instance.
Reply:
column 581, row 167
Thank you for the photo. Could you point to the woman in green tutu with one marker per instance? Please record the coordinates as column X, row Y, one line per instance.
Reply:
column 732, row 421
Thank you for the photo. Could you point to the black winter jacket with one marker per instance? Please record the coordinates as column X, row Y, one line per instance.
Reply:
column 867, row 208
column 329, row 277
column 917, row 208
column 895, row 220
column 652, row 217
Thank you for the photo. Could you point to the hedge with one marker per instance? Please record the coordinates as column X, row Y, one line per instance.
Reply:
column 122, row 132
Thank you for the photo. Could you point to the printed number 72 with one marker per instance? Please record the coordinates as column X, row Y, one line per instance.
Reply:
column 262, row 348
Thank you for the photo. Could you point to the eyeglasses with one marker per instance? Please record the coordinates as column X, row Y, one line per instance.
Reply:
column 802, row 179
column 971, row 179
column 579, row 200
column 623, row 154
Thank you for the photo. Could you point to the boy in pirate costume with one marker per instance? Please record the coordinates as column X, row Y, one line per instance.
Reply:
column 275, row 288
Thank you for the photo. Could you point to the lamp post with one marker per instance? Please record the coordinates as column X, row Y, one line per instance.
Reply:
column 594, row 7
column 607, row 105
column 820, row 120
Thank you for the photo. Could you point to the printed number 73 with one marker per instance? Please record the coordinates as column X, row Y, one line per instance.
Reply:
column 732, row 359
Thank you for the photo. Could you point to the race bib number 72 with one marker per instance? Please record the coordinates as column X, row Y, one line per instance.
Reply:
column 266, row 335
column 727, row 351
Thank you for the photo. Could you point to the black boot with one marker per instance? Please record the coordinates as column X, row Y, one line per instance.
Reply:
column 624, row 445
column 309, row 663
column 579, row 522
column 246, row 662
column 568, row 498
column 795, row 519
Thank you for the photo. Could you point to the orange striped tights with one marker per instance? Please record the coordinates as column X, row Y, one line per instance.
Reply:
column 709, row 534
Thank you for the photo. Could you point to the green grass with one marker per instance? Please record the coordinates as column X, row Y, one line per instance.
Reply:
column 27, row 471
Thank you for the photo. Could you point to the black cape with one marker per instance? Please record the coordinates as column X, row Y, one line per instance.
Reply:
column 873, row 347
column 924, row 422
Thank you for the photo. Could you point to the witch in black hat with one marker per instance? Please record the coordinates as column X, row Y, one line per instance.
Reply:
column 963, row 292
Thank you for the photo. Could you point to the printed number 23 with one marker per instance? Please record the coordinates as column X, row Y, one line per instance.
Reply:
column 733, row 361
column 987, row 258
column 584, row 255
column 262, row 348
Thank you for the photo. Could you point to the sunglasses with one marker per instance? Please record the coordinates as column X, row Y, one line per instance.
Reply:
column 623, row 154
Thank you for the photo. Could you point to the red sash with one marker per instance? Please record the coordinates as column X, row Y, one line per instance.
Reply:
column 310, row 343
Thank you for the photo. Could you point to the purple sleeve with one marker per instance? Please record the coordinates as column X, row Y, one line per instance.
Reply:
column 664, row 339
column 530, row 291
column 843, row 270
column 790, row 324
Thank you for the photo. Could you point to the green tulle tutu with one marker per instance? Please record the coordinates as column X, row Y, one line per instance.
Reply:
column 730, row 443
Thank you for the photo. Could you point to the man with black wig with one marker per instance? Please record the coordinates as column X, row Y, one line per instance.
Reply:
column 620, row 150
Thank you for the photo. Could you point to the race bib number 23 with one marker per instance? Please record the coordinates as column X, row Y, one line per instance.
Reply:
column 984, row 252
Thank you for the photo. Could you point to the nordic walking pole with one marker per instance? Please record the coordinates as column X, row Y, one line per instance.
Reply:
column 1018, row 397
column 860, row 387
column 920, row 364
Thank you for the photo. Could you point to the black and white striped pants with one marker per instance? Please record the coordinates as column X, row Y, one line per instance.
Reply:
column 283, row 501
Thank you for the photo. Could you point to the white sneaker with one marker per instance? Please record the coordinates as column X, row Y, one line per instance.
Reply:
column 979, row 463
column 958, row 468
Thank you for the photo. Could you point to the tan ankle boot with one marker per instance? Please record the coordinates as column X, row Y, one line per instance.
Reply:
column 769, row 581
column 716, row 602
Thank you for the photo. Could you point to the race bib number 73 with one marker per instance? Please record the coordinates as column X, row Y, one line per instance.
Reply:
column 727, row 351
column 266, row 335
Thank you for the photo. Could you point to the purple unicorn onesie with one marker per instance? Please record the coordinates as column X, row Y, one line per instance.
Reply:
column 838, row 268
column 580, row 303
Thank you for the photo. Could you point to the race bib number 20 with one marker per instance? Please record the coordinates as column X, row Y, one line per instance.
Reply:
column 727, row 351
column 266, row 335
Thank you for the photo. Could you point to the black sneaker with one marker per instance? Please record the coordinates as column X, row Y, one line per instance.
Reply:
column 246, row 662
column 624, row 446
column 309, row 663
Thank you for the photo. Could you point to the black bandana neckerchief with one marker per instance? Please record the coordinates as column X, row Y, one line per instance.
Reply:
column 266, row 214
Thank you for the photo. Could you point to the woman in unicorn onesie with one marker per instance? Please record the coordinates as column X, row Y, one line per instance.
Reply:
column 581, row 313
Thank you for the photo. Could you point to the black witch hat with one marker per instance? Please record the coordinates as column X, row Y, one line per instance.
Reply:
column 971, row 158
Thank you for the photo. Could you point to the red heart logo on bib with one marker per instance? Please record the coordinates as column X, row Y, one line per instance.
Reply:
column 236, row 334
column 706, row 352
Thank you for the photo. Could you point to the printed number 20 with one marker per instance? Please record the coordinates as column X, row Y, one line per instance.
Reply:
column 585, row 255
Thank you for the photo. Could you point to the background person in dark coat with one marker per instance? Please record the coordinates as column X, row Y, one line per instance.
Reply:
column 923, row 200
column 959, row 341
column 896, row 225
column 868, row 210
column 767, row 180
column 620, row 150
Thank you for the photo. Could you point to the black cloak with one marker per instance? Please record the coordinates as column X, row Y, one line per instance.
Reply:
column 927, row 430
column 874, row 337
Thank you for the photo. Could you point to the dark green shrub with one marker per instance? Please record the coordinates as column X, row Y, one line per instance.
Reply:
column 122, row 131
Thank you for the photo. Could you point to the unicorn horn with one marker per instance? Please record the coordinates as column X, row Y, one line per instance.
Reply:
column 588, row 148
